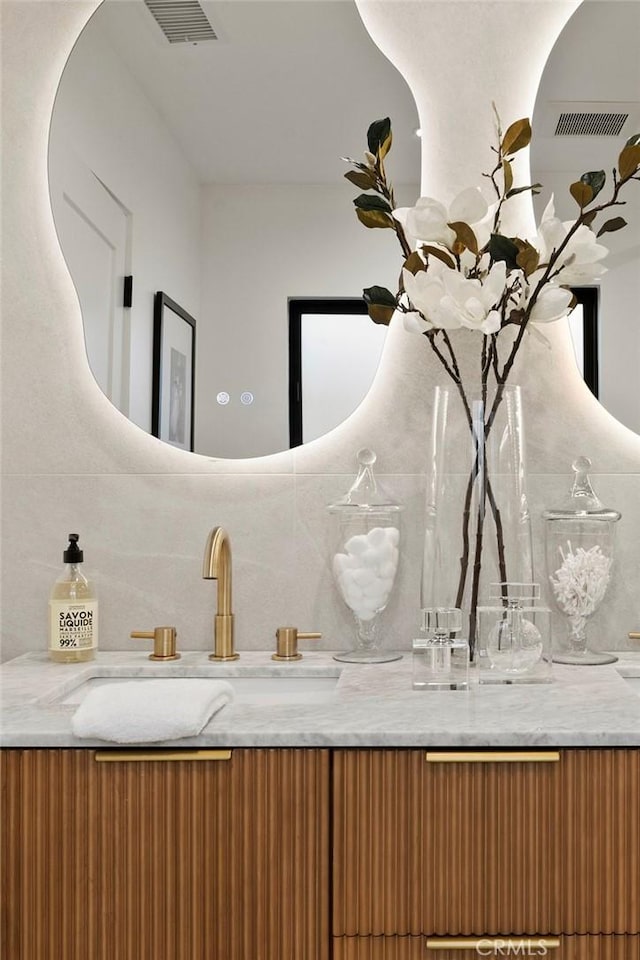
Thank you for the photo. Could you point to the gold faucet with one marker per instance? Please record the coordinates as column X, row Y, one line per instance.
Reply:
column 217, row 566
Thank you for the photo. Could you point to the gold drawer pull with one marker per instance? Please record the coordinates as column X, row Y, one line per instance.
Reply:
column 526, row 756
column 126, row 756
column 487, row 946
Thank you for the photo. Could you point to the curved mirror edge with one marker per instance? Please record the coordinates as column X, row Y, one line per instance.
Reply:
column 582, row 119
column 105, row 213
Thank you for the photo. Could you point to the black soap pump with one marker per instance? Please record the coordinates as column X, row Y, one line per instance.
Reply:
column 73, row 611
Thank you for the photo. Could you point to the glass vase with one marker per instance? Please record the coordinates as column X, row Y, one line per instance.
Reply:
column 477, row 528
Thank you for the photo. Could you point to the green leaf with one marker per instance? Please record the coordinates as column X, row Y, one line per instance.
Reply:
column 589, row 217
column 616, row 223
column 378, row 134
column 595, row 179
column 581, row 193
column 374, row 218
column 517, row 137
column 465, row 237
column 370, row 201
column 381, row 304
column 534, row 187
column 631, row 142
column 365, row 181
column 430, row 251
column 501, row 248
column 507, row 172
column 629, row 160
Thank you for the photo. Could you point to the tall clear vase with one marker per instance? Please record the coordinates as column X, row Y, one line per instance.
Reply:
column 478, row 528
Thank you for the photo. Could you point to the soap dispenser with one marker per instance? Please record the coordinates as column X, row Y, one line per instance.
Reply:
column 73, row 611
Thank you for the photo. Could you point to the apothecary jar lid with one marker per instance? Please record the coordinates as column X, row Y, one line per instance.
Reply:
column 365, row 496
column 582, row 502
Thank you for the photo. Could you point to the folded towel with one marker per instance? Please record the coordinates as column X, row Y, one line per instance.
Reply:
column 146, row 711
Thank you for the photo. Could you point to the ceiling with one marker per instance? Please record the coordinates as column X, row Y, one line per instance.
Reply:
column 282, row 75
column 285, row 74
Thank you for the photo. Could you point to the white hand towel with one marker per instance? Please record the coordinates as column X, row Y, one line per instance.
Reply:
column 147, row 711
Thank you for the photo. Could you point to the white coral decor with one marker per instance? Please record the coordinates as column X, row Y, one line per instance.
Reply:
column 581, row 581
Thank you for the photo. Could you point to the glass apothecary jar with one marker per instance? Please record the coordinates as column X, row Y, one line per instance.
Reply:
column 365, row 559
column 514, row 636
column 580, row 538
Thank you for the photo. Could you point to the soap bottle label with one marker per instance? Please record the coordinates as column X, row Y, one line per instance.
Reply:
column 74, row 626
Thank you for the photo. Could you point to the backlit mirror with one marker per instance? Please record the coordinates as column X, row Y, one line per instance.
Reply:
column 588, row 105
column 197, row 187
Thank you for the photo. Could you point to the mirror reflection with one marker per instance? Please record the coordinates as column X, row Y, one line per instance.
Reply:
column 195, row 171
column 588, row 105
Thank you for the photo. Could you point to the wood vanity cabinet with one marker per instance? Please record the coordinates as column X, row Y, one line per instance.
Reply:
column 218, row 859
column 429, row 845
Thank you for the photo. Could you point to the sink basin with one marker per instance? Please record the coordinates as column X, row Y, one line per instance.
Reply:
column 269, row 690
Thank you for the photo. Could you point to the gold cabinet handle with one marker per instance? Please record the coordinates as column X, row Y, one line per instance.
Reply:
column 634, row 636
column 128, row 756
column 498, row 756
column 487, row 946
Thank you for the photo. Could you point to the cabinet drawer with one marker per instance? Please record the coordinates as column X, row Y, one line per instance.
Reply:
column 176, row 855
column 469, row 848
column 561, row 948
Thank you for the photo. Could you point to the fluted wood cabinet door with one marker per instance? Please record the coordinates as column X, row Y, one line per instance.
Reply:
column 165, row 860
column 475, row 848
column 415, row 948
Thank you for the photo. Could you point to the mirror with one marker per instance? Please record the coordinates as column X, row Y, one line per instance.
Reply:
column 201, row 177
column 588, row 105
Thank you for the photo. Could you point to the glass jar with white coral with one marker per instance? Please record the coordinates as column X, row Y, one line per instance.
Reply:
column 579, row 549
column 365, row 561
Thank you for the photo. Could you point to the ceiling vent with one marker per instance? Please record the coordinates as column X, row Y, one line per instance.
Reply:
column 181, row 21
column 587, row 118
column 590, row 124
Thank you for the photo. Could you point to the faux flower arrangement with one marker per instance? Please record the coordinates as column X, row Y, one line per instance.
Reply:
column 461, row 271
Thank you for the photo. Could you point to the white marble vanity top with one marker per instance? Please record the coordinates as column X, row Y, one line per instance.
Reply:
column 372, row 706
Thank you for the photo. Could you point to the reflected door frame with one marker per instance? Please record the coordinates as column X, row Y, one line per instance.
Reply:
column 588, row 298
column 298, row 307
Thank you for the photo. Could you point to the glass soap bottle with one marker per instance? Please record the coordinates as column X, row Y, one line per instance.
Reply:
column 580, row 538
column 365, row 560
column 73, row 611
column 440, row 659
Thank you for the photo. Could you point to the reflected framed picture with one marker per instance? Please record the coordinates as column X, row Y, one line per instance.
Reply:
column 174, row 352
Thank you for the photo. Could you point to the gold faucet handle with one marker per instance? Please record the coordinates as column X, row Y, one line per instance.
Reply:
column 164, row 642
column 287, row 643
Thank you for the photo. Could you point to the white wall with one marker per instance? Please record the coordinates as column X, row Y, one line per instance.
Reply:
column 261, row 245
column 103, row 117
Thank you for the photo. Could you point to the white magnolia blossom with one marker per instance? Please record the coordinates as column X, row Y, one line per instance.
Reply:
column 552, row 303
column 448, row 300
column 579, row 259
column 427, row 221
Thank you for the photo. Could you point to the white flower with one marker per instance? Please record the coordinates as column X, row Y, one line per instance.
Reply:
column 448, row 300
column 579, row 259
column 427, row 221
column 552, row 303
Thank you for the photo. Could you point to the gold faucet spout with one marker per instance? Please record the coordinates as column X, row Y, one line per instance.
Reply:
column 217, row 566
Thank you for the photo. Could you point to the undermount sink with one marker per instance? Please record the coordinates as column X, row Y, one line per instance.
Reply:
column 258, row 690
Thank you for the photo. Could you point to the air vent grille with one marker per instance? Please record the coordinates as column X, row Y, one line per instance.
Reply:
column 590, row 124
column 181, row 21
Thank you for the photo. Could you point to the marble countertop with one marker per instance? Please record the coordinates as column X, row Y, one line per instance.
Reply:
column 371, row 706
